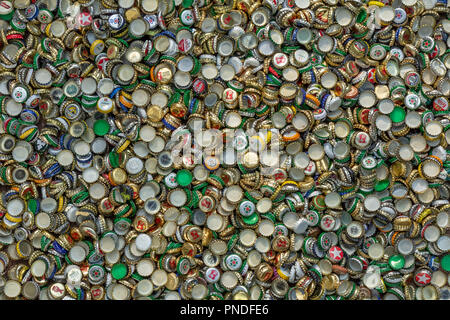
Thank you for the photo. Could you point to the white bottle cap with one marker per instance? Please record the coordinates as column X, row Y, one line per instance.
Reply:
column 145, row 267
column 247, row 237
column 229, row 279
column 376, row 251
column 12, row 288
column 65, row 157
column 77, row 254
column 266, row 228
column 97, row 190
column 90, row 175
column 42, row 220
column 107, row 244
column 147, row 133
column 159, row 277
column 15, row 207
column 120, row 292
column 169, row 228
column 262, row 244
column 112, row 257
column 144, row 287
column 214, row 222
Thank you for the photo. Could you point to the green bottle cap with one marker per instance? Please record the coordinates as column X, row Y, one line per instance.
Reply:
column 101, row 127
column 187, row 3
column 184, row 177
column 382, row 185
column 445, row 262
column 398, row 115
column 251, row 220
column 119, row 271
column 397, row 262
column 32, row 205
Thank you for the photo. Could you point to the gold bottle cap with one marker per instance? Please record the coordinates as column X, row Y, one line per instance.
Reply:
column 118, row 176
